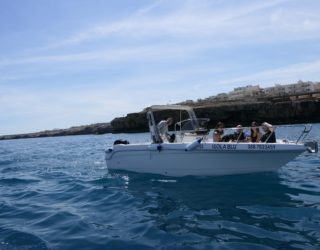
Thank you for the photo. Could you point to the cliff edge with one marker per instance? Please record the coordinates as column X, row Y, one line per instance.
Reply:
column 276, row 111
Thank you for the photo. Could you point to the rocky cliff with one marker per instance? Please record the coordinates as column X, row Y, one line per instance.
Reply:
column 231, row 114
column 98, row 128
column 279, row 111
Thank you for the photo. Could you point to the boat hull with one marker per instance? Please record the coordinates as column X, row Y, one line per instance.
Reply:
column 208, row 159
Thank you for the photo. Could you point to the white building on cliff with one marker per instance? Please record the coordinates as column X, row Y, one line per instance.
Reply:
column 290, row 89
column 243, row 92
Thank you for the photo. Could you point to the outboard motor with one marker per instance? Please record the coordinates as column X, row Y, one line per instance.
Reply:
column 311, row 146
column 117, row 142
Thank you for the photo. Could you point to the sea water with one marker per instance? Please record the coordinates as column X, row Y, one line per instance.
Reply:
column 57, row 193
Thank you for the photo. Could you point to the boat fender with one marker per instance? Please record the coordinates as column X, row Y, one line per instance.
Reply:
column 155, row 147
column 193, row 145
column 311, row 146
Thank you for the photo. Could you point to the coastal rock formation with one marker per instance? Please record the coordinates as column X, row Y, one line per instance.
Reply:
column 132, row 123
column 231, row 114
column 275, row 111
column 98, row 128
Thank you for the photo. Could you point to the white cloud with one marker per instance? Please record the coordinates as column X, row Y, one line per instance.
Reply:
column 147, row 53
column 41, row 109
column 165, row 52
column 194, row 20
column 188, row 29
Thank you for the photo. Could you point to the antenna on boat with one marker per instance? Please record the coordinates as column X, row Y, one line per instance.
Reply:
column 304, row 133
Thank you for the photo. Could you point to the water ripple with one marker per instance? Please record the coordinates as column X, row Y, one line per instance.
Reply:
column 56, row 193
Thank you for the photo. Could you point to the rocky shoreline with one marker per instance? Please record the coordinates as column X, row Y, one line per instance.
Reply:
column 275, row 111
column 231, row 114
column 98, row 128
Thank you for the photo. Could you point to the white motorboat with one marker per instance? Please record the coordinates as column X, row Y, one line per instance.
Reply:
column 193, row 153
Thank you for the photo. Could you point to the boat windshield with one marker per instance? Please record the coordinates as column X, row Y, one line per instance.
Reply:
column 198, row 125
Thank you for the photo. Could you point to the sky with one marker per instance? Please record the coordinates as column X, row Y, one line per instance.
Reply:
column 77, row 62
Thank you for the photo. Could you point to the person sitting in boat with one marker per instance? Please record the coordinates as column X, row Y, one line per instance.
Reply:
column 237, row 136
column 164, row 131
column 255, row 134
column 269, row 134
column 218, row 132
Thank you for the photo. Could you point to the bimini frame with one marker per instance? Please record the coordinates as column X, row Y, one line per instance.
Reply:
column 154, row 131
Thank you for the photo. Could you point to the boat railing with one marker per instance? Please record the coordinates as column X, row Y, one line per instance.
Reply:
column 306, row 129
column 305, row 132
column 299, row 137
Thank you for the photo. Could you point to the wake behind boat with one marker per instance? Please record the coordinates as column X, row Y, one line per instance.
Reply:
column 194, row 153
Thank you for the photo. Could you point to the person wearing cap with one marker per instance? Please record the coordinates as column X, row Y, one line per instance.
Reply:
column 255, row 134
column 164, row 131
column 269, row 134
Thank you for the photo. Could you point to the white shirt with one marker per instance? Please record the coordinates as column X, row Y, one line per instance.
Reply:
column 163, row 127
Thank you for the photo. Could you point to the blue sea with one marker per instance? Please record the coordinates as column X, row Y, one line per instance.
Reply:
column 57, row 193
